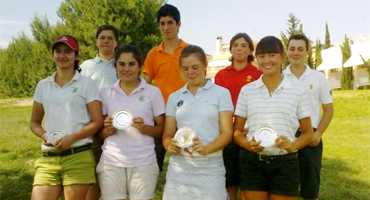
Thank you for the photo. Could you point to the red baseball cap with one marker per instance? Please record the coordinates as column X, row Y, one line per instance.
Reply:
column 68, row 40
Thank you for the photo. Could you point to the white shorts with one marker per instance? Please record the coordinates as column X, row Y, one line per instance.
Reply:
column 124, row 182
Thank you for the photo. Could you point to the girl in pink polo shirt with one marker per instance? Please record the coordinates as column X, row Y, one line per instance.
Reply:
column 128, row 165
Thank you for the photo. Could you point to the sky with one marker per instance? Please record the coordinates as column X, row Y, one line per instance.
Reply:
column 202, row 21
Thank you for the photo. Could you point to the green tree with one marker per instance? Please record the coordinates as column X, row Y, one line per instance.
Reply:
column 26, row 61
column 294, row 27
column 327, row 37
column 346, row 80
column 310, row 61
column 23, row 64
column 135, row 19
column 367, row 66
column 318, row 58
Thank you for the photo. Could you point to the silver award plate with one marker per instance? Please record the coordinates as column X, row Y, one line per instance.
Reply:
column 266, row 135
column 53, row 136
column 184, row 137
column 122, row 119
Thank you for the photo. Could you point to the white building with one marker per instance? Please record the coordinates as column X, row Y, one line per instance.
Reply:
column 332, row 62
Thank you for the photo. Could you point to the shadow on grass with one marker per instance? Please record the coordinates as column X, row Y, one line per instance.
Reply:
column 15, row 184
column 338, row 181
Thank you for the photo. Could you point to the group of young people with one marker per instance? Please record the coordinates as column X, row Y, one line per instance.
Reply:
column 95, row 159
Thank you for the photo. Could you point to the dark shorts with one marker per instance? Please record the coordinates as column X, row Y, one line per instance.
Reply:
column 160, row 152
column 279, row 176
column 310, row 168
column 231, row 160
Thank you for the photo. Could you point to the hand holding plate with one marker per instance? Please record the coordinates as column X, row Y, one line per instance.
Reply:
column 256, row 146
column 198, row 146
column 173, row 148
column 138, row 123
column 108, row 125
column 65, row 142
column 45, row 140
column 282, row 142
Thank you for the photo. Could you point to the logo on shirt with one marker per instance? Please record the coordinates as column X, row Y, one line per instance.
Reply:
column 74, row 90
column 249, row 78
column 141, row 98
column 311, row 86
column 180, row 103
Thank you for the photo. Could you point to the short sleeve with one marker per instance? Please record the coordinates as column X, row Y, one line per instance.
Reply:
column 92, row 92
column 326, row 96
column 103, row 95
column 149, row 64
column 171, row 105
column 157, row 102
column 241, row 108
column 303, row 108
column 225, row 102
column 37, row 96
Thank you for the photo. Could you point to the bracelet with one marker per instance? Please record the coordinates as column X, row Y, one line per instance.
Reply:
column 42, row 135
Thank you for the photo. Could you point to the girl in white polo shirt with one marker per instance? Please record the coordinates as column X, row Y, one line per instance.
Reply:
column 197, row 172
column 70, row 106
column 128, row 165
column 273, row 108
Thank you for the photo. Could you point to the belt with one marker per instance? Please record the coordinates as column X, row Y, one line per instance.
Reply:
column 67, row 152
column 269, row 158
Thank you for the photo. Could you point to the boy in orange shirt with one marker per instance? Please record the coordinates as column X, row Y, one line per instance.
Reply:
column 162, row 62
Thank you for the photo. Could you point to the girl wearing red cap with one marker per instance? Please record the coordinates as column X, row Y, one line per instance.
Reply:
column 70, row 106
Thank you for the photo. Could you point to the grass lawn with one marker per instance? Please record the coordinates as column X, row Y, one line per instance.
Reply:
column 346, row 162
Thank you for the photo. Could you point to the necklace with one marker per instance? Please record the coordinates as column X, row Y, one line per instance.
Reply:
column 272, row 90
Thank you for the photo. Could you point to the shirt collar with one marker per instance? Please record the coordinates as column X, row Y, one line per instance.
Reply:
column 249, row 66
column 208, row 85
column 285, row 83
column 160, row 47
column 116, row 86
column 76, row 77
column 306, row 72
column 98, row 60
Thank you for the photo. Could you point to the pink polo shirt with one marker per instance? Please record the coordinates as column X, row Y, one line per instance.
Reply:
column 129, row 147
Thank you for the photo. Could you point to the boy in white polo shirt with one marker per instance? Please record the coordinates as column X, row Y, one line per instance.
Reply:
column 101, row 68
column 273, row 103
column 318, row 90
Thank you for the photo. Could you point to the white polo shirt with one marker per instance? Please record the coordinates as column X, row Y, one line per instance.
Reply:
column 200, row 111
column 317, row 88
column 281, row 111
column 129, row 147
column 97, row 69
column 66, row 107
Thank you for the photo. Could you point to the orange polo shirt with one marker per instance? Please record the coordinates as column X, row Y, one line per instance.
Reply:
column 164, row 69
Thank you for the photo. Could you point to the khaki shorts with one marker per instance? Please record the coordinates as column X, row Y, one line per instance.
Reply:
column 124, row 182
column 77, row 168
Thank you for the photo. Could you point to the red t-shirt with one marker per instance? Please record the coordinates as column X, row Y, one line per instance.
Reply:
column 234, row 80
